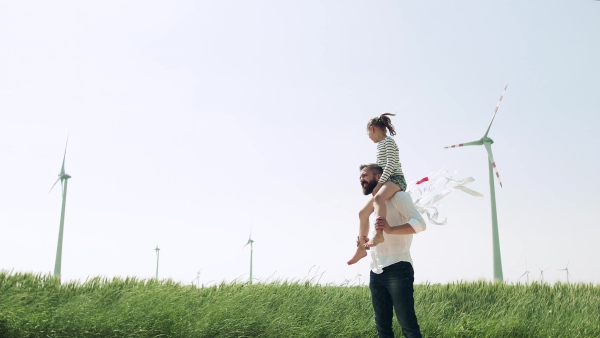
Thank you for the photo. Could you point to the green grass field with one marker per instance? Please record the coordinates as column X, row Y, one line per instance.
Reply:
column 39, row 306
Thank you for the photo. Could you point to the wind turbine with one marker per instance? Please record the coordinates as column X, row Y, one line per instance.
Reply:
column 541, row 274
column 567, row 270
column 157, row 254
column 63, row 178
column 251, row 242
column 487, row 143
column 526, row 273
column 198, row 278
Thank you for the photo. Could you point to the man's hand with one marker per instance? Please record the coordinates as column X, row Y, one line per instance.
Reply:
column 365, row 240
column 382, row 224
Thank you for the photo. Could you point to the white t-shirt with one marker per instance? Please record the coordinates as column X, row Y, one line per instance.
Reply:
column 396, row 248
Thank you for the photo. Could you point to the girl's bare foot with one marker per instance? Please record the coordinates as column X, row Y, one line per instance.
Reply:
column 377, row 239
column 361, row 250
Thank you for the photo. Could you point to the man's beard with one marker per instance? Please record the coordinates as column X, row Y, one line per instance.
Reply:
column 368, row 188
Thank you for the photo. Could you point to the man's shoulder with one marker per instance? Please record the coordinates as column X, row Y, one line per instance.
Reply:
column 402, row 194
column 402, row 197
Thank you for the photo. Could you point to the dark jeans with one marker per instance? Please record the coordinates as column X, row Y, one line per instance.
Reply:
column 393, row 289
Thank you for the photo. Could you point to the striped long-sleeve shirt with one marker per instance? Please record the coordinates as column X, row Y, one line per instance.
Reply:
column 388, row 158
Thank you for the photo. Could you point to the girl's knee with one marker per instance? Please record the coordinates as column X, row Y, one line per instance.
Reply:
column 379, row 198
column 364, row 213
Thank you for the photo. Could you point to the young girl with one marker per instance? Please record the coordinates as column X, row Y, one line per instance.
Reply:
column 391, row 181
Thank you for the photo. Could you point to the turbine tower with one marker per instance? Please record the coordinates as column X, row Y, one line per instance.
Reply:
column 63, row 178
column 526, row 273
column 541, row 274
column 566, row 269
column 487, row 143
column 251, row 242
column 157, row 250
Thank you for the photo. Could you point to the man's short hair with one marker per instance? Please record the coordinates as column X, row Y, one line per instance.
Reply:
column 374, row 167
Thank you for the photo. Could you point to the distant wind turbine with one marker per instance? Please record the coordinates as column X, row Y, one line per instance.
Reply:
column 251, row 242
column 566, row 269
column 157, row 254
column 487, row 143
column 526, row 273
column 358, row 275
column 63, row 178
column 541, row 275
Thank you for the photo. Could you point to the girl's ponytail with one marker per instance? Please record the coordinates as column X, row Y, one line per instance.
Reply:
column 383, row 121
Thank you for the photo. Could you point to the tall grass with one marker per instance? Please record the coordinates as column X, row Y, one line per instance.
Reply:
column 39, row 306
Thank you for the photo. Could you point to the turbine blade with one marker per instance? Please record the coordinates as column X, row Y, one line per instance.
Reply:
column 495, row 111
column 473, row 143
column 62, row 170
column 54, row 184
column 250, row 241
column 488, row 147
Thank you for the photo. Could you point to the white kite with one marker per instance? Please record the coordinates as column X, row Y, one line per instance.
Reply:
column 428, row 191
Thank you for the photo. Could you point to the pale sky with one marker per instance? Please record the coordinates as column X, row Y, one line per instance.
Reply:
column 193, row 123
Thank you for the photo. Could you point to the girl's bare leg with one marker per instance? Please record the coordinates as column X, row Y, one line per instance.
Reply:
column 363, row 232
column 387, row 190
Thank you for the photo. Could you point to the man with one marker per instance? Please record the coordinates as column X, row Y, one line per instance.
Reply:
column 392, row 274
